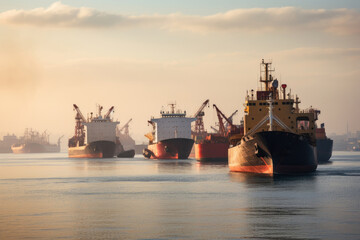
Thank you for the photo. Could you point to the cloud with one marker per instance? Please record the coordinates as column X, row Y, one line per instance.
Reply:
column 325, row 53
column 254, row 20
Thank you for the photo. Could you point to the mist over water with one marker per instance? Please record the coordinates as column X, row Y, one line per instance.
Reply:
column 47, row 196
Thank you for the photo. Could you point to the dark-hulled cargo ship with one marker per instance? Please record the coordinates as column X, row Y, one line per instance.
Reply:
column 170, row 137
column 94, row 137
column 279, row 138
column 324, row 145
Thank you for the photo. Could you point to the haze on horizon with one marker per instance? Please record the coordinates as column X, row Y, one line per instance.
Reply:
column 139, row 56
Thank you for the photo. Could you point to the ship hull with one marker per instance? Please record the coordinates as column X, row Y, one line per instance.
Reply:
column 215, row 152
column 175, row 148
column 98, row 149
column 34, row 148
column 273, row 153
column 127, row 154
column 324, row 149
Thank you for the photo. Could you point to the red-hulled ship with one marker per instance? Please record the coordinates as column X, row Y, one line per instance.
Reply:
column 279, row 138
column 171, row 136
column 324, row 145
column 214, row 147
column 98, row 140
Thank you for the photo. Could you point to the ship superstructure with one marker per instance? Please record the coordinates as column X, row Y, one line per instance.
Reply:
column 95, row 137
column 171, row 136
column 278, row 136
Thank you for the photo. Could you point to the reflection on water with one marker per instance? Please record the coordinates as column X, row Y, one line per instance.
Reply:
column 251, row 179
column 172, row 165
column 51, row 196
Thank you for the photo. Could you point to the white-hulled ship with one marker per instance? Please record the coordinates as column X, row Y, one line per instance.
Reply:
column 170, row 137
column 94, row 137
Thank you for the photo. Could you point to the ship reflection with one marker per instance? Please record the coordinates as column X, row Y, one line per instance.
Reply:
column 325, row 163
column 96, row 164
column 254, row 179
column 173, row 165
column 251, row 179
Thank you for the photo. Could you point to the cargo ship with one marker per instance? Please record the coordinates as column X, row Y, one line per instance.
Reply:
column 324, row 145
column 34, row 142
column 278, row 137
column 7, row 142
column 214, row 147
column 94, row 137
column 170, row 137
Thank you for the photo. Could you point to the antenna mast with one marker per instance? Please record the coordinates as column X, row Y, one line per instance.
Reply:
column 266, row 77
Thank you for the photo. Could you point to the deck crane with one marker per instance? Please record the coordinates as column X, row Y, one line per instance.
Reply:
column 79, row 136
column 107, row 115
column 81, row 116
column 199, row 123
column 220, row 115
column 125, row 127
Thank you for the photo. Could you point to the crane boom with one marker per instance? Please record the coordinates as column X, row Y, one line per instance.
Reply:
column 126, row 125
column 221, row 123
column 109, row 112
column 79, row 112
column 222, row 115
column 232, row 115
column 199, row 123
column 199, row 111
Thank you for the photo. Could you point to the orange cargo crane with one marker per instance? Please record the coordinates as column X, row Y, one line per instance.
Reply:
column 199, row 123
column 222, row 129
column 79, row 136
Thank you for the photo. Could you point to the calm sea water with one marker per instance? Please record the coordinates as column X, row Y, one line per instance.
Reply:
column 48, row 196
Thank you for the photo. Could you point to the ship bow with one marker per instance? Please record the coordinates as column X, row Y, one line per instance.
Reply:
column 273, row 152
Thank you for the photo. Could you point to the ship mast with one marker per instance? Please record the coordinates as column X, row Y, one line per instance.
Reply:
column 267, row 76
column 297, row 104
column 172, row 107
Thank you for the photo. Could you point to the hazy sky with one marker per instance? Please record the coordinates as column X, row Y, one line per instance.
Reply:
column 142, row 55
